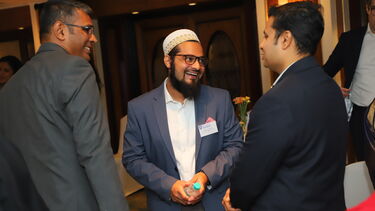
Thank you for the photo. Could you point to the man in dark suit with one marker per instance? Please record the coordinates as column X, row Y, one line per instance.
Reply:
column 294, row 155
column 17, row 190
column 51, row 111
column 182, row 133
column 355, row 53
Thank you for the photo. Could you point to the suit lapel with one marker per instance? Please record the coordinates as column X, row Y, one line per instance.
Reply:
column 160, row 112
column 200, row 118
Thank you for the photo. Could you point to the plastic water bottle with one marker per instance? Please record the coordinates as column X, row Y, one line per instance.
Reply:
column 192, row 190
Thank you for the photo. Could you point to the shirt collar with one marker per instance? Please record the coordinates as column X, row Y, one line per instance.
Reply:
column 282, row 73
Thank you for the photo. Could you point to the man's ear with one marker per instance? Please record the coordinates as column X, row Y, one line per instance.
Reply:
column 59, row 30
column 167, row 61
column 286, row 39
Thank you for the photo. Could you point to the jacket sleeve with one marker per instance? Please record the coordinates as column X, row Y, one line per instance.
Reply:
column 336, row 60
column 268, row 141
column 218, row 169
column 136, row 161
column 79, row 94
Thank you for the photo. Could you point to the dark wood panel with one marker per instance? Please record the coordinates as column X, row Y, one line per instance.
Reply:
column 120, row 69
column 237, row 21
column 116, row 7
column 25, row 39
column 129, row 44
column 358, row 15
column 11, row 19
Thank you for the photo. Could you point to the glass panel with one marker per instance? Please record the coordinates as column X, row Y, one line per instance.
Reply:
column 223, row 69
column 159, row 71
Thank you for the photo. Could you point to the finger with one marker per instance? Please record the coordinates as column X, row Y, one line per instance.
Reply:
column 184, row 196
column 180, row 201
column 179, row 198
column 225, row 205
column 194, row 201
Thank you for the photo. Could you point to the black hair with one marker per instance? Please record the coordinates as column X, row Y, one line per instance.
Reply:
column 63, row 10
column 13, row 62
column 303, row 19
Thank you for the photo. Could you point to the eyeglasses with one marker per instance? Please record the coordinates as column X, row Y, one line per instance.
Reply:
column 89, row 29
column 190, row 59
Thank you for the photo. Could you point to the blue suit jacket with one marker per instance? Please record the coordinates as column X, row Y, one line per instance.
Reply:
column 148, row 152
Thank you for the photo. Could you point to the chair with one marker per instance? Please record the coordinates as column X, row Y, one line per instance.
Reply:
column 129, row 185
column 357, row 184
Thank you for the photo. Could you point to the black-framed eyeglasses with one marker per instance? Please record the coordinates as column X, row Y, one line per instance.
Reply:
column 191, row 59
column 89, row 29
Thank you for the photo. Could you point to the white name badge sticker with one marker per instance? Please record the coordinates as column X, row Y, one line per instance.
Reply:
column 207, row 128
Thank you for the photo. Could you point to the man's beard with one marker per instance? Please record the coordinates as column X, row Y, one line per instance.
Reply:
column 187, row 90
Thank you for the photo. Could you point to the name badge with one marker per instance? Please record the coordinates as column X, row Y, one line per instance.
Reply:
column 207, row 128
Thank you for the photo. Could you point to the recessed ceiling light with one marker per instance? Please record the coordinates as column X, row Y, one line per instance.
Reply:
column 192, row 4
column 21, row 28
column 135, row 12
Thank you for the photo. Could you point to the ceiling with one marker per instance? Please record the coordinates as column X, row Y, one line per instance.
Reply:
column 4, row 4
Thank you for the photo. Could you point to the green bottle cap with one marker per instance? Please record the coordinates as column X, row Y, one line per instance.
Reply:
column 197, row 186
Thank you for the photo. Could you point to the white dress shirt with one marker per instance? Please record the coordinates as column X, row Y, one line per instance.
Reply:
column 181, row 124
column 363, row 85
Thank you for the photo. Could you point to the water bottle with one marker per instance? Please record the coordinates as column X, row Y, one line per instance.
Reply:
column 192, row 190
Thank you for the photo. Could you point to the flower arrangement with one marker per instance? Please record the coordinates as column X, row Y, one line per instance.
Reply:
column 242, row 103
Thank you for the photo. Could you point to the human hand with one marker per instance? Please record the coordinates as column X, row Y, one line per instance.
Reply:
column 345, row 92
column 178, row 194
column 202, row 179
column 226, row 202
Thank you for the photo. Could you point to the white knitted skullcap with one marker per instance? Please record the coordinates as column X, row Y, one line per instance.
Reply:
column 177, row 37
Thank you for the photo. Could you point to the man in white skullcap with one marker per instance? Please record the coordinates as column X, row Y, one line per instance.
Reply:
column 182, row 133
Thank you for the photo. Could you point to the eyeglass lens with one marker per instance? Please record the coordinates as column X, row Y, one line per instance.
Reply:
column 190, row 59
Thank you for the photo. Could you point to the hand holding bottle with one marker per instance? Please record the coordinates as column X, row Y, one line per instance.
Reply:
column 193, row 189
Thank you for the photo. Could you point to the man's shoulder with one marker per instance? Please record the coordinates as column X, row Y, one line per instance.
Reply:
column 148, row 96
column 53, row 54
column 205, row 89
column 56, row 61
column 355, row 32
column 158, row 94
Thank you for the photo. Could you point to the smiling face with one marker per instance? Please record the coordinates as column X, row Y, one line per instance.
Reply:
column 79, row 42
column 185, row 77
column 189, row 74
column 6, row 72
